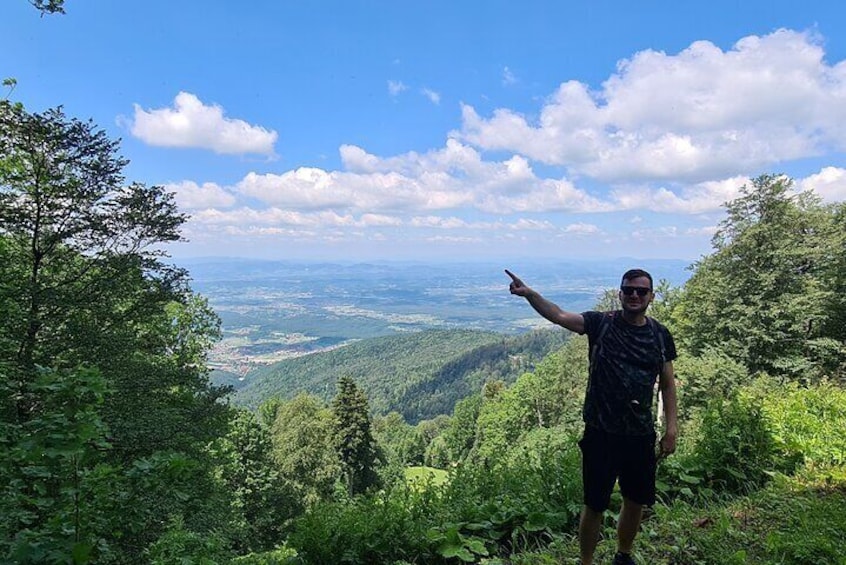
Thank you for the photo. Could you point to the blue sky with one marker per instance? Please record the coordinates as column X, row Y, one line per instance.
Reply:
column 448, row 130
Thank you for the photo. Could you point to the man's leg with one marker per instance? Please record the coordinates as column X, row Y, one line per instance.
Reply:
column 628, row 525
column 637, row 485
column 599, row 473
column 589, row 525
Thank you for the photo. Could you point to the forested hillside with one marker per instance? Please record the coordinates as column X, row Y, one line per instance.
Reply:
column 420, row 374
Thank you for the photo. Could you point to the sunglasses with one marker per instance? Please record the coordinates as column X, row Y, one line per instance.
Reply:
column 629, row 290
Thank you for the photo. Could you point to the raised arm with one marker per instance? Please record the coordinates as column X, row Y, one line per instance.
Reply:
column 549, row 310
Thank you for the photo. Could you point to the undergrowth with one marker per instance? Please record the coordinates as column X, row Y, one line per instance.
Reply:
column 751, row 484
column 797, row 520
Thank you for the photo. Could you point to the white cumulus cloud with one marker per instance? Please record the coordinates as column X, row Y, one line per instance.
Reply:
column 665, row 141
column 192, row 196
column 696, row 198
column 273, row 216
column 396, row 87
column 700, row 114
column 455, row 177
column 582, row 229
column 704, row 230
column 829, row 184
column 190, row 123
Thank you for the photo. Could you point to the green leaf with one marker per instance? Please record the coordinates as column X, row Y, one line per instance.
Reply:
column 690, row 479
column 736, row 474
column 81, row 553
column 536, row 521
column 478, row 526
column 451, row 549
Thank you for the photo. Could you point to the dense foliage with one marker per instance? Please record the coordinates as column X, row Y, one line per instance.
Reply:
column 49, row 6
column 770, row 296
column 115, row 448
column 105, row 398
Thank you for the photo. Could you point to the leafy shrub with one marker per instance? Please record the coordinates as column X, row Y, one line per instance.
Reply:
column 54, row 487
column 522, row 502
column 547, row 465
column 381, row 528
column 701, row 378
column 808, row 423
column 525, row 500
column 736, row 449
column 682, row 476
column 765, row 427
column 180, row 545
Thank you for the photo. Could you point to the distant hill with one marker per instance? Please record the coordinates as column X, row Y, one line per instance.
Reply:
column 419, row 375
column 219, row 377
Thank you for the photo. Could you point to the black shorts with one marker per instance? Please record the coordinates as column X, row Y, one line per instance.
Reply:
column 608, row 457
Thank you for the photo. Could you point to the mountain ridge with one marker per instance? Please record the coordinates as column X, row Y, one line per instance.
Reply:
column 418, row 374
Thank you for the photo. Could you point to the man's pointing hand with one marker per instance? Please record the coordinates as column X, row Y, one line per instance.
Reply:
column 517, row 286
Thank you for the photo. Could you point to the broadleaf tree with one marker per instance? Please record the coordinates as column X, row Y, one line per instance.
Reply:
column 765, row 295
column 303, row 446
column 83, row 284
column 263, row 500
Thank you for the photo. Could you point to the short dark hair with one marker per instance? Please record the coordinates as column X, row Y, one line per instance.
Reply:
column 636, row 273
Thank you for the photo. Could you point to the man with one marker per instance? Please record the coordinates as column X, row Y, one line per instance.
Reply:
column 627, row 352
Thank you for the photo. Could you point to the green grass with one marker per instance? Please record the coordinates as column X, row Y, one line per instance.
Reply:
column 425, row 475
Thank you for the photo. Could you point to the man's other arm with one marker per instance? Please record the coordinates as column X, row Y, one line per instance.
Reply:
column 667, row 385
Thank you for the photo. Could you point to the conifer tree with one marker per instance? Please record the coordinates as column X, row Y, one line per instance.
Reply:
column 353, row 437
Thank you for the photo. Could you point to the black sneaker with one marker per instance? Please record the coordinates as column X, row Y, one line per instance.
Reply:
column 623, row 559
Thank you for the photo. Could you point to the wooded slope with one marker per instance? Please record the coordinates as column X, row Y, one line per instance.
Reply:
column 419, row 375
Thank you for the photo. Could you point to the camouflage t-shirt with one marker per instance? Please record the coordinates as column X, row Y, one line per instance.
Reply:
column 624, row 366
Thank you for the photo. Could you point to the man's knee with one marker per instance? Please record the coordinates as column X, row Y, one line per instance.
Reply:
column 589, row 513
column 632, row 507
